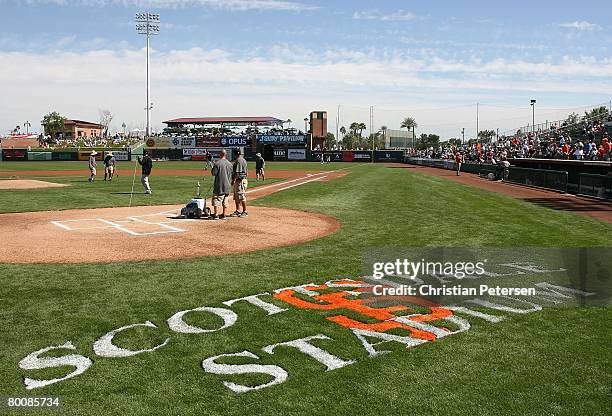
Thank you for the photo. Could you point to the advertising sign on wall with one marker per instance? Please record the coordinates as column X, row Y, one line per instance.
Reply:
column 282, row 139
column 39, row 155
column 181, row 142
column 64, row 156
column 234, row 141
column 160, row 142
column 389, row 156
column 280, row 154
column 362, row 156
column 120, row 155
column 206, row 141
column 14, row 154
column 200, row 153
column 296, row 154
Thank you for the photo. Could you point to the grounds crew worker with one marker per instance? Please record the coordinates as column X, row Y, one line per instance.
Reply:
column 92, row 166
column 109, row 166
column 222, row 171
column 239, row 180
column 260, row 165
column 147, row 165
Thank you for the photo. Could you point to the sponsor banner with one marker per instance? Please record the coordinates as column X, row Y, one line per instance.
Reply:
column 160, row 142
column 64, row 156
column 362, row 156
column 199, row 153
column 280, row 154
column 181, row 142
column 14, row 154
column 296, row 154
column 120, row 155
column 85, row 155
column 206, row 141
column 282, row 139
column 39, row 155
column 234, row 141
column 389, row 156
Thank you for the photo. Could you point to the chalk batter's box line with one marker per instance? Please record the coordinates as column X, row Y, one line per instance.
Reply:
column 120, row 227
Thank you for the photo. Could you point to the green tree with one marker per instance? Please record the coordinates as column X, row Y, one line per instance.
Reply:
column 409, row 123
column 428, row 140
column 54, row 124
column 330, row 141
column 342, row 131
column 486, row 136
column 357, row 128
column 349, row 141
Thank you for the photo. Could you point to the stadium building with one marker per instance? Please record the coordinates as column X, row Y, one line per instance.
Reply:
column 274, row 138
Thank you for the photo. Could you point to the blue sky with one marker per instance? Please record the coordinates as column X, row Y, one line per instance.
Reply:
column 430, row 60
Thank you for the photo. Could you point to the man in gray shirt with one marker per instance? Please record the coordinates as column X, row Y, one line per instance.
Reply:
column 222, row 171
column 240, row 172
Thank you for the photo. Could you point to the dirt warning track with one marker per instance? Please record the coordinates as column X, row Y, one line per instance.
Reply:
column 153, row 233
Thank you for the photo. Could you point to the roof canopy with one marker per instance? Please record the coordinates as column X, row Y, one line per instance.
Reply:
column 236, row 121
column 81, row 123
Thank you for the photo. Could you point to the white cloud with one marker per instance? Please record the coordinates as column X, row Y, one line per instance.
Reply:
column 234, row 5
column 217, row 82
column 581, row 25
column 400, row 15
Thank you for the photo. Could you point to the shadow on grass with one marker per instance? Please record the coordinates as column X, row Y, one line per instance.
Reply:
column 564, row 204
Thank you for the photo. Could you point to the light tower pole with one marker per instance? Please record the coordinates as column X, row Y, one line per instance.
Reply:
column 148, row 24
column 533, row 102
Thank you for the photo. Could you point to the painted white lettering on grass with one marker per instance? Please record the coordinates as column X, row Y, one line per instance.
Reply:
column 104, row 346
column 463, row 325
column 176, row 323
column 33, row 361
column 556, row 294
column 328, row 360
column 254, row 300
column 504, row 308
column 531, row 268
column 302, row 289
column 363, row 334
column 477, row 314
column 278, row 373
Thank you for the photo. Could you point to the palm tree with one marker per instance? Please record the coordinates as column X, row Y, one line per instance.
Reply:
column 383, row 130
column 362, row 127
column 410, row 123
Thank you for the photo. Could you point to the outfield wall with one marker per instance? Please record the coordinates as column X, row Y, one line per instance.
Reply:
column 582, row 177
column 24, row 155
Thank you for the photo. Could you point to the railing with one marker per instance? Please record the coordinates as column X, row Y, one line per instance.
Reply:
column 541, row 178
column 598, row 186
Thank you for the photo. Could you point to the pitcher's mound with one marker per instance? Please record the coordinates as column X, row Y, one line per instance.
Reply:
column 149, row 233
column 27, row 184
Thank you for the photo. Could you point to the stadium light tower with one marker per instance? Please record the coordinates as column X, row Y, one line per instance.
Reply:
column 533, row 115
column 147, row 24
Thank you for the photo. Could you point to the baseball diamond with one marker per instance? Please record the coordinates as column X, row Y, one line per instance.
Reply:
column 305, row 207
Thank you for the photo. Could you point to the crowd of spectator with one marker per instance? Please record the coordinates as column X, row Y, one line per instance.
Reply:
column 584, row 140
column 117, row 140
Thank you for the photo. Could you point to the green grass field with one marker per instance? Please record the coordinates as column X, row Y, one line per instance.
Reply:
column 556, row 361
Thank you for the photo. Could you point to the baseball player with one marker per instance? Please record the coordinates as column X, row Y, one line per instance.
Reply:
column 222, row 171
column 260, row 165
column 109, row 166
column 147, row 165
column 240, row 182
column 458, row 161
column 92, row 166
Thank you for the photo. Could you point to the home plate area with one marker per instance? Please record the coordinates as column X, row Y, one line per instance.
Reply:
column 148, row 224
column 105, row 235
